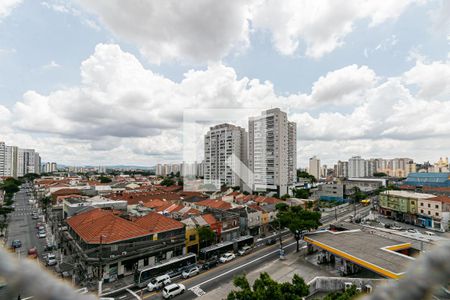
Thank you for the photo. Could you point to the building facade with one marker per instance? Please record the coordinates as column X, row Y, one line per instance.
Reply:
column 314, row 167
column 272, row 140
column 225, row 152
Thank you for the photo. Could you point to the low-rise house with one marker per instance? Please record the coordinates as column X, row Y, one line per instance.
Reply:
column 102, row 244
column 212, row 204
column 73, row 204
column 229, row 224
column 250, row 220
column 434, row 212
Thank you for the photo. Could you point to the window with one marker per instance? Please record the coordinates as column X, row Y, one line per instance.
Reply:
column 429, row 205
column 436, row 206
column 429, row 212
column 421, row 211
column 192, row 237
column 437, row 214
column 421, row 204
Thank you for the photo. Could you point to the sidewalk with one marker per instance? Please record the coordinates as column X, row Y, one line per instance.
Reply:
column 279, row 270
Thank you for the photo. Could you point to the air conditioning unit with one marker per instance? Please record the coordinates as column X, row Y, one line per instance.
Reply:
column 347, row 285
column 124, row 253
column 368, row 288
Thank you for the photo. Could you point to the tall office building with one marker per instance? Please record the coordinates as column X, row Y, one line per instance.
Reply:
column 37, row 163
column 11, row 161
column 357, row 167
column 25, row 161
column 342, row 169
column 292, row 153
column 2, row 158
column 272, row 147
column 225, row 149
column 314, row 167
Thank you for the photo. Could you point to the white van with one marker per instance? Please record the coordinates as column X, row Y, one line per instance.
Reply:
column 158, row 282
column 429, row 233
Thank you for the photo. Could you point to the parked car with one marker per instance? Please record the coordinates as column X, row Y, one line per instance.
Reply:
column 16, row 244
column 245, row 250
column 271, row 241
column 227, row 257
column 35, row 216
column 42, row 234
column 51, row 259
column 412, row 230
column 41, row 228
column 50, row 247
column 158, row 282
column 191, row 272
column 38, row 224
column 211, row 263
column 173, row 290
column 32, row 252
column 429, row 233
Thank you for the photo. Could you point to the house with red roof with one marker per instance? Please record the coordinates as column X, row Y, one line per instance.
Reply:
column 105, row 241
column 212, row 203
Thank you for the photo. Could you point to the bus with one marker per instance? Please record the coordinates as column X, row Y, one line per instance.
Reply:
column 365, row 202
column 215, row 250
column 230, row 246
column 173, row 267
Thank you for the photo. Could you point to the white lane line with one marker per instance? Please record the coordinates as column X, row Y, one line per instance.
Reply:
column 241, row 266
column 134, row 294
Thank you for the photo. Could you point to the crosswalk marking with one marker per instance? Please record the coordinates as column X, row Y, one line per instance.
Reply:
column 198, row 291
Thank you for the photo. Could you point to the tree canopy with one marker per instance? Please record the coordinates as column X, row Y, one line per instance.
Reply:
column 167, row 181
column 301, row 193
column 206, row 236
column 266, row 288
column 104, row 179
column 303, row 174
column 296, row 218
column 345, row 295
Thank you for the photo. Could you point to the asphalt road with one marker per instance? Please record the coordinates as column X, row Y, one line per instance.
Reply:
column 209, row 280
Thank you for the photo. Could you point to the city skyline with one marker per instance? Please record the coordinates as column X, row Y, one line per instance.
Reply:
column 114, row 94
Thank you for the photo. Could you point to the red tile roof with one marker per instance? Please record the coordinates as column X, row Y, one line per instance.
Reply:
column 210, row 219
column 96, row 223
column 62, row 192
column 215, row 203
column 155, row 222
column 154, row 203
column 267, row 200
column 443, row 199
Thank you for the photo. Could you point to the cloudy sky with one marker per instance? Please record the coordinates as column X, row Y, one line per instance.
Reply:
column 101, row 82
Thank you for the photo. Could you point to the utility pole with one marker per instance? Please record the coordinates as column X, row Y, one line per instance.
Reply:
column 100, row 267
column 281, row 241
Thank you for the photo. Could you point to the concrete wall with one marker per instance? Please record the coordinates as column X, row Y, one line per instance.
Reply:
column 333, row 284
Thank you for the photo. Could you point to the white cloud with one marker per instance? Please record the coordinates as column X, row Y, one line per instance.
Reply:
column 6, row 6
column 197, row 30
column 51, row 65
column 343, row 86
column 321, row 25
column 433, row 79
column 124, row 113
column 207, row 30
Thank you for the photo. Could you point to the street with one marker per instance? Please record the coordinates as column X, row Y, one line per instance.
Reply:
column 209, row 280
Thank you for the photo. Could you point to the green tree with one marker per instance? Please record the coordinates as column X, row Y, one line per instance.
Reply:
column 206, row 236
column 306, row 175
column 298, row 220
column 346, row 295
column 301, row 193
column 167, row 182
column 380, row 174
column 31, row 176
column 285, row 196
column 266, row 288
column 104, row 179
